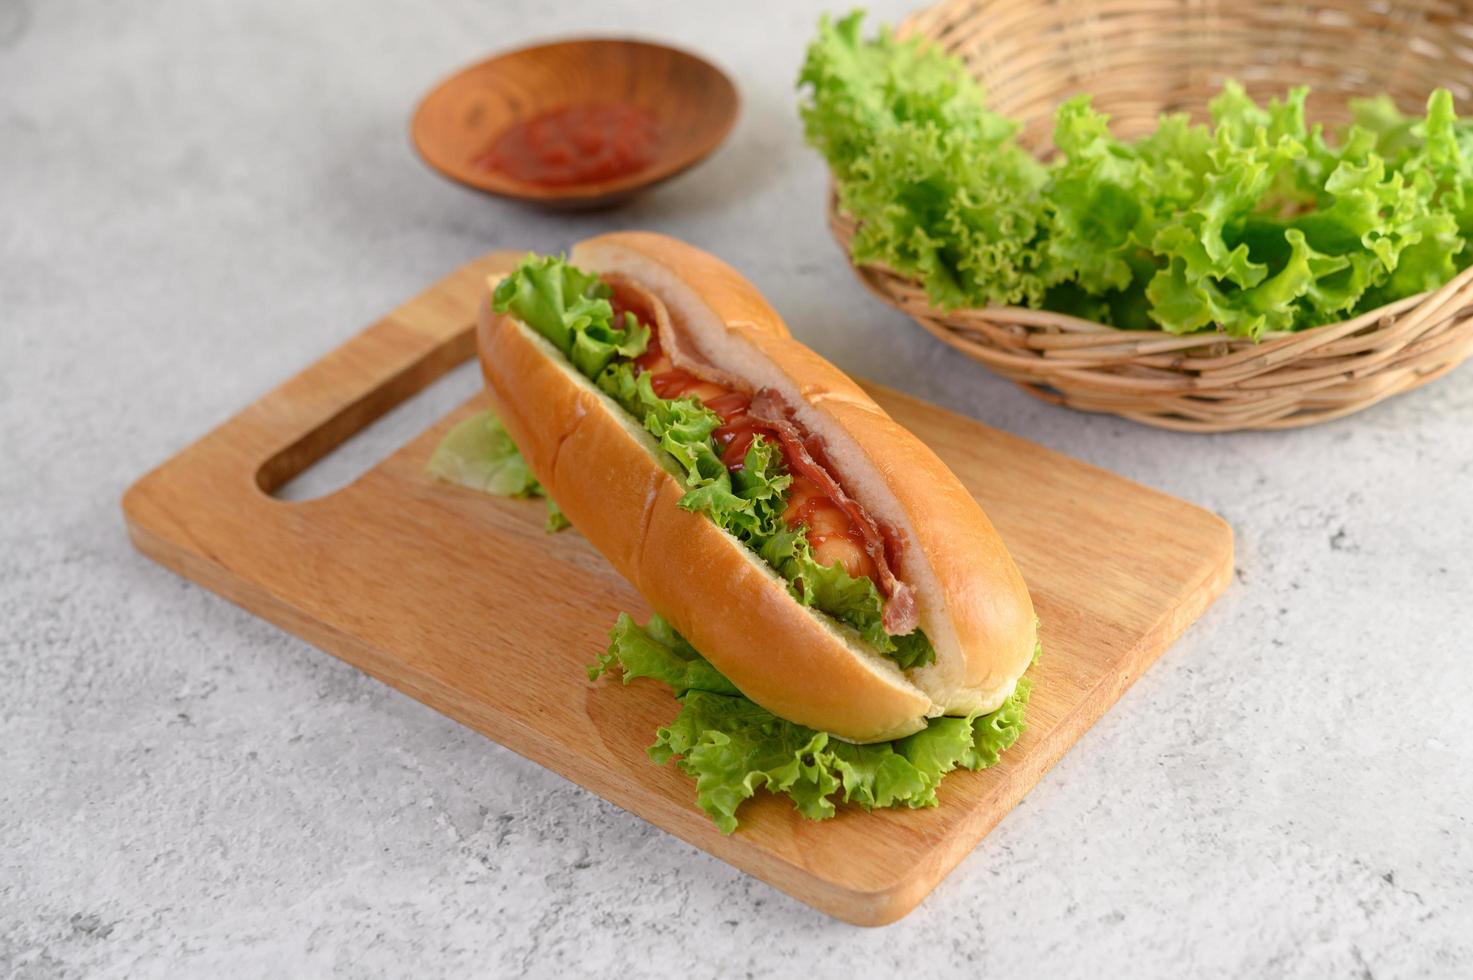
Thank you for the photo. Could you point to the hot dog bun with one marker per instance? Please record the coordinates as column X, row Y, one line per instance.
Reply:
column 604, row 471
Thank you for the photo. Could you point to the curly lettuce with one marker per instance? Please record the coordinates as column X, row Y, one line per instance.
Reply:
column 939, row 186
column 733, row 747
column 748, row 503
column 570, row 308
column 855, row 601
column 1258, row 222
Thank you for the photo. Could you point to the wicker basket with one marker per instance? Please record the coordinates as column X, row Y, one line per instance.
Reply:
column 1139, row 58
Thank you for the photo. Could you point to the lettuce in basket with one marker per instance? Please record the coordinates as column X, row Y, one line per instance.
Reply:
column 939, row 186
column 1257, row 222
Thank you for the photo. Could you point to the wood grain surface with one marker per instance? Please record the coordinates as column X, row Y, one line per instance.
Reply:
column 463, row 601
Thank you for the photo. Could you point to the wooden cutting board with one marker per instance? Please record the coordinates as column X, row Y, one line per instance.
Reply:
column 462, row 601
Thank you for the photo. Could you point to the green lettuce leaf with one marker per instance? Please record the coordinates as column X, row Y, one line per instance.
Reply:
column 478, row 453
column 851, row 600
column 1259, row 222
column 658, row 652
column 570, row 308
column 750, row 502
column 939, row 186
column 733, row 748
column 683, row 428
column 556, row 520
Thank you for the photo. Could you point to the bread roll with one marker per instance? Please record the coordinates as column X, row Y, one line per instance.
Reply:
column 607, row 476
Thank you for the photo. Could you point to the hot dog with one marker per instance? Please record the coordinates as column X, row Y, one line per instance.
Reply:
column 818, row 554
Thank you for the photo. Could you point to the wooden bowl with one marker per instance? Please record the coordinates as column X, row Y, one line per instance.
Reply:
column 695, row 104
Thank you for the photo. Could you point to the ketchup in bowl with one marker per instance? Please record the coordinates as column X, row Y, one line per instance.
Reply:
column 575, row 144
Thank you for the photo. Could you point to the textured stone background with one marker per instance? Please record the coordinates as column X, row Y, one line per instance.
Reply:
column 196, row 199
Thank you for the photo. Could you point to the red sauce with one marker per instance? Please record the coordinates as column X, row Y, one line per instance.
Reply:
column 832, row 533
column 576, row 144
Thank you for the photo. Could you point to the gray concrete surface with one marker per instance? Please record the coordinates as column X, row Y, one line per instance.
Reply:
column 196, row 199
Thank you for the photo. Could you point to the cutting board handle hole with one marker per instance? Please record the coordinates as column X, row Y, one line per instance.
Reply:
column 352, row 440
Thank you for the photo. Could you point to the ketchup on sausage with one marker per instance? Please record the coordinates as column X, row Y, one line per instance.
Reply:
column 833, row 535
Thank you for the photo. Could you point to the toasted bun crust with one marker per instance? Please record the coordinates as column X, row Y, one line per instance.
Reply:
column 604, row 472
